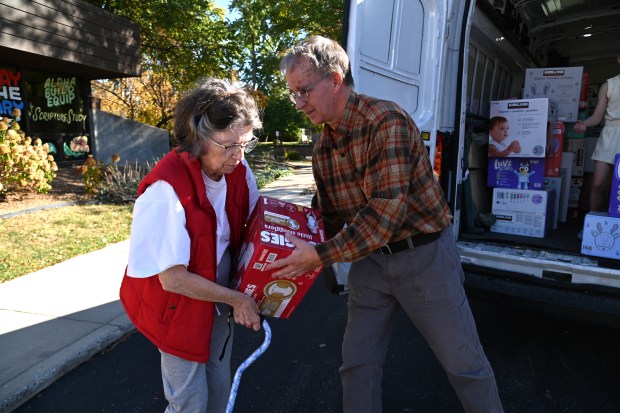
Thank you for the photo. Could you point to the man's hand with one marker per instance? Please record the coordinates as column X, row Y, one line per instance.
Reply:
column 303, row 259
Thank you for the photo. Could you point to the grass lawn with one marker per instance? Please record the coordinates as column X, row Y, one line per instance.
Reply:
column 40, row 239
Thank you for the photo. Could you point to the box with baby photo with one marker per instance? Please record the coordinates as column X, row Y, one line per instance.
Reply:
column 263, row 243
column 519, row 128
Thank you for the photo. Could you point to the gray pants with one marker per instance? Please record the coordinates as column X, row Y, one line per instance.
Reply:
column 427, row 283
column 192, row 387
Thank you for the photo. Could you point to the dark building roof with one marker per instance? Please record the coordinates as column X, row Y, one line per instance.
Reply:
column 68, row 36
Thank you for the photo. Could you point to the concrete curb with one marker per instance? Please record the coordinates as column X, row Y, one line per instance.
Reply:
column 42, row 375
column 44, row 207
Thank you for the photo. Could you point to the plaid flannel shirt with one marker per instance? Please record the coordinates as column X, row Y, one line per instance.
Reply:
column 374, row 174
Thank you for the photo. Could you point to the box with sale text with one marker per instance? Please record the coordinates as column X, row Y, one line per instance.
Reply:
column 523, row 212
column 264, row 243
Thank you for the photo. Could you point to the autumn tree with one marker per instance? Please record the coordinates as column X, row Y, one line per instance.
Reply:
column 265, row 29
column 184, row 40
column 149, row 98
column 181, row 42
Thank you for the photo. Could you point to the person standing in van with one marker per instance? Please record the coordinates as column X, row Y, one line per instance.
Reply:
column 385, row 212
column 608, row 144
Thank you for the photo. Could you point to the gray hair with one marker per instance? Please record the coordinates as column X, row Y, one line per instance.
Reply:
column 325, row 55
column 215, row 105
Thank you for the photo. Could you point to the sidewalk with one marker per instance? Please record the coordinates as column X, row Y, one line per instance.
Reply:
column 54, row 319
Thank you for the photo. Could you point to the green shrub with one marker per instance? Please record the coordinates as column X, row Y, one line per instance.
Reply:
column 293, row 155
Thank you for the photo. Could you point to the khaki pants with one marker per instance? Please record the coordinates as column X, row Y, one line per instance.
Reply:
column 427, row 283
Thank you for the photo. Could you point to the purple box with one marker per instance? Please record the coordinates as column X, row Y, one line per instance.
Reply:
column 516, row 173
column 614, row 196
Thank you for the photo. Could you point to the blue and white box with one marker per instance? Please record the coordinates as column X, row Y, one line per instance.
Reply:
column 516, row 173
column 601, row 236
column 562, row 85
column 523, row 212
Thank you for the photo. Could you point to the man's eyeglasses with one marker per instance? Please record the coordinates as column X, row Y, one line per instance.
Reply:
column 304, row 93
column 236, row 147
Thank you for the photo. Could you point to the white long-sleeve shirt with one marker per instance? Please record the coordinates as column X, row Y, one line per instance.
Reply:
column 159, row 239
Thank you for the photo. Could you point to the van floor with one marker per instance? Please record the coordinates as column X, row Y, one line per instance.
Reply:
column 563, row 239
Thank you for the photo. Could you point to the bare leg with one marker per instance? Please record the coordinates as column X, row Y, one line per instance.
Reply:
column 600, row 186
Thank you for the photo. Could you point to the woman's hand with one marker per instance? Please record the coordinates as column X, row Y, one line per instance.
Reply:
column 245, row 311
column 580, row 126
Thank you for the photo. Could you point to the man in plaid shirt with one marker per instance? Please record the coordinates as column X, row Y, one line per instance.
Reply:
column 384, row 211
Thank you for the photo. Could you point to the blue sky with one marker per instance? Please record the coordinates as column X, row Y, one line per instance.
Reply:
column 224, row 4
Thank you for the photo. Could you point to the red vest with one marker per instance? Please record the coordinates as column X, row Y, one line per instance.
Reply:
column 177, row 324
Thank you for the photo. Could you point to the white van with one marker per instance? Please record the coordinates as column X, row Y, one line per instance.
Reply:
column 444, row 61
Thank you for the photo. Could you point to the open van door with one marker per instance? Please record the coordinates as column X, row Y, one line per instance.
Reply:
column 406, row 51
column 445, row 61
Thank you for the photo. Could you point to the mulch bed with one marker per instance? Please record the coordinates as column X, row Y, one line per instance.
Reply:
column 68, row 186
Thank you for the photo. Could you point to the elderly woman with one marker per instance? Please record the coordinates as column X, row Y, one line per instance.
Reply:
column 187, row 224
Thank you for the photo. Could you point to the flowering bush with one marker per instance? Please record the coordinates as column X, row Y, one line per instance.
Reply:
column 93, row 172
column 24, row 164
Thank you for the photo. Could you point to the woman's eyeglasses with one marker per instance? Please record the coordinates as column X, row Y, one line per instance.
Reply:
column 236, row 147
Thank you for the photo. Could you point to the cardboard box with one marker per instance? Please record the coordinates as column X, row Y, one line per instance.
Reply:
column 583, row 97
column 555, row 184
column 516, row 173
column 264, row 243
column 576, row 183
column 588, row 164
column 523, row 212
column 561, row 85
column 614, row 196
column 553, row 161
column 583, row 207
column 566, row 170
column 527, row 124
column 571, row 134
column 601, row 235
column 578, row 147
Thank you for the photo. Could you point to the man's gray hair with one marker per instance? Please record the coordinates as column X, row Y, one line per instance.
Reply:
column 325, row 55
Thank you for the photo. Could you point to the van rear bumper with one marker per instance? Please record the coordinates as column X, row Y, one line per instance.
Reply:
column 582, row 302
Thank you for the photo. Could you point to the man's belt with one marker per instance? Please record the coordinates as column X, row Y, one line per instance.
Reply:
column 408, row 243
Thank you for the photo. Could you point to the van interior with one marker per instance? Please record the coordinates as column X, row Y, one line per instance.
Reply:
column 507, row 37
